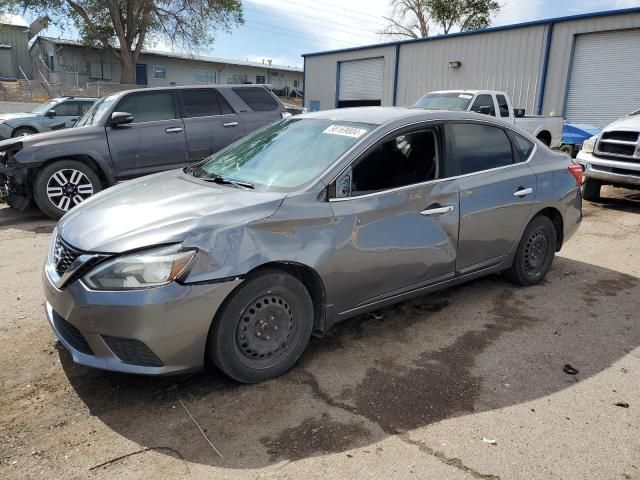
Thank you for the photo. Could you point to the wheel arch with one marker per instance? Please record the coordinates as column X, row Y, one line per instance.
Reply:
column 555, row 216
column 545, row 137
column 105, row 178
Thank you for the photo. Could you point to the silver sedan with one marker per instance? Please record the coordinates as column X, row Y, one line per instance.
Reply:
column 239, row 259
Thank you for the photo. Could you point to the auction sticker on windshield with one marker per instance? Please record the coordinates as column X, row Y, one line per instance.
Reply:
column 345, row 131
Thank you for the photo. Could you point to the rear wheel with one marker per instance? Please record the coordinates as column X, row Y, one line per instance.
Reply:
column 62, row 185
column 535, row 253
column 23, row 132
column 591, row 189
column 263, row 328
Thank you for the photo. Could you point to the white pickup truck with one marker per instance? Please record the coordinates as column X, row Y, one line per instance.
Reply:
column 498, row 104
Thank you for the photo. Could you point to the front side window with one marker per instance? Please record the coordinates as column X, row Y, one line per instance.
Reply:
column 484, row 104
column 45, row 107
column 503, row 106
column 257, row 98
column 285, row 155
column 148, row 106
column 407, row 159
column 159, row 72
column 480, row 147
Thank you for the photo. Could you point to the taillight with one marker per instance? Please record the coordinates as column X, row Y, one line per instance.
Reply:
column 577, row 171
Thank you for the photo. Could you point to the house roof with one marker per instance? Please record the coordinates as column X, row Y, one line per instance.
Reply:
column 185, row 56
column 548, row 21
column 13, row 20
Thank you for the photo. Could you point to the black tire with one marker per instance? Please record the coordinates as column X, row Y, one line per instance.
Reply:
column 545, row 137
column 591, row 189
column 535, row 253
column 263, row 328
column 47, row 188
column 23, row 131
column 569, row 150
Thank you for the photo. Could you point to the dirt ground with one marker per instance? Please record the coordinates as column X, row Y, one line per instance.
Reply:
column 466, row 383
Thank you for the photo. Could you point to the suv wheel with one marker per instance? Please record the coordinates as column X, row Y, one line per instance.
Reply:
column 23, row 132
column 62, row 185
column 591, row 189
column 263, row 328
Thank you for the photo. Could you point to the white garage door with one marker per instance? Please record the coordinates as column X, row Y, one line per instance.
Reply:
column 361, row 79
column 605, row 77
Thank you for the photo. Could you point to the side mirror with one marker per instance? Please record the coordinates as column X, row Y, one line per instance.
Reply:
column 120, row 118
column 485, row 110
column 50, row 113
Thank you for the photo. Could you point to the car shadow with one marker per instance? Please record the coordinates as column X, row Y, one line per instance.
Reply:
column 619, row 199
column 30, row 220
column 476, row 347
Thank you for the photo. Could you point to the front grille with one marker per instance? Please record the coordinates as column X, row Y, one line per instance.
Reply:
column 133, row 352
column 64, row 256
column 621, row 136
column 617, row 149
column 71, row 334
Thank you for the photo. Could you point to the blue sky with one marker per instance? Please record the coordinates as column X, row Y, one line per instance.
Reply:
column 281, row 30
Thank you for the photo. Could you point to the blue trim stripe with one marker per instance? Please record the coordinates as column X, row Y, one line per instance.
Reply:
column 549, row 21
column 545, row 66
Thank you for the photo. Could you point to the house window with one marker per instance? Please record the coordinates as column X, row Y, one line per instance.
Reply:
column 236, row 78
column 159, row 72
column 260, row 79
column 204, row 76
column 296, row 84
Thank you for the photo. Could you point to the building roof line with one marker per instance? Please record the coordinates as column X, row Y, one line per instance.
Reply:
column 514, row 26
column 182, row 56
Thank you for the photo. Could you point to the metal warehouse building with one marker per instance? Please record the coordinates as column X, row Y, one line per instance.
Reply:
column 584, row 67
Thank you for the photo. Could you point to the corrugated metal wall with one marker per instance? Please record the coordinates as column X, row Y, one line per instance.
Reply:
column 17, row 38
column 321, row 74
column 506, row 60
column 561, row 52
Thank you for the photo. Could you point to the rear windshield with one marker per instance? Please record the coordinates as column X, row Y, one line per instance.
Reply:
column 285, row 155
column 456, row 101
column 258, row 98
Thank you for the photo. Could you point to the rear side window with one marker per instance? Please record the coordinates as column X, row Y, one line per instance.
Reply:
column 148, row 106
column 522, row 145
column 259, row 99
column 484, row 104
column 200, row 103
column 503, row 106
column 481, row 147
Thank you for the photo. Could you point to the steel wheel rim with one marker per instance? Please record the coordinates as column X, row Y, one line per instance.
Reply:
column 24, row 134
column 67, row 188
column 536, row 252
column 265, row 330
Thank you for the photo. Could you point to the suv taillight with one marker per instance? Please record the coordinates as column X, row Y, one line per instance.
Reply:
column 577, row 171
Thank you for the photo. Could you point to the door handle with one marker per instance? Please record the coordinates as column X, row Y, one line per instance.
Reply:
column 230, row 124
column 429, row 212
column 522, row 192
column 173, row 130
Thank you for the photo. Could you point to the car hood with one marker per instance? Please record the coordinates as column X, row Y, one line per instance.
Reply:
column 12, row 116
column 168, row 207
column 631, row 122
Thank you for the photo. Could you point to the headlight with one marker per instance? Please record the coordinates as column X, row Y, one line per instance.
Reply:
column 589, row 145
column 149, row 268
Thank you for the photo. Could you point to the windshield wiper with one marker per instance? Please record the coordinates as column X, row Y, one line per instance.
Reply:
column 229, row 181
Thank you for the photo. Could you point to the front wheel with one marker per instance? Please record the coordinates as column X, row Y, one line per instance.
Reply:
column 62, row 185
column 535, row 253
column 263, row 328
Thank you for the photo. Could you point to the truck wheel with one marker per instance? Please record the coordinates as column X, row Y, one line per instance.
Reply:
column 62, row 185
column 545, row 137
column 568, row 149
column 23, row 132
column 591, row 189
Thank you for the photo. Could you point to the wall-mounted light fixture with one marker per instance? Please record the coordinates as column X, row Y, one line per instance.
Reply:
column 455, row 64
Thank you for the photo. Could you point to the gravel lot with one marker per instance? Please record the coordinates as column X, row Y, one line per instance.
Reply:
column 421, row 390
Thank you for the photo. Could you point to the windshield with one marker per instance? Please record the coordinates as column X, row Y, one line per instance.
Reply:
column 45, row 107
column 95, row 114
column 285, row 155
column 457, row 101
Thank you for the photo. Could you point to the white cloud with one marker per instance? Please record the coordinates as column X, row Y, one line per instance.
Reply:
column 519, row 11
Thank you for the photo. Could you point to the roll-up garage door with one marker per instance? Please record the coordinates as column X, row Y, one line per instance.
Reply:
column 605, row 77
column 360, row 82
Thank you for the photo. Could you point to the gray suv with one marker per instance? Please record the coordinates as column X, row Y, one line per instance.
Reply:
column 55, row 114
column 127, row 135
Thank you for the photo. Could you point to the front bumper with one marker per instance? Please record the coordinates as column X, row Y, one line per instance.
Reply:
column 610, row 171
column 156, row 331
column 5, row 131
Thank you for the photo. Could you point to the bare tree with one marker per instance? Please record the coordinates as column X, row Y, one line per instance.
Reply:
column 125, row 26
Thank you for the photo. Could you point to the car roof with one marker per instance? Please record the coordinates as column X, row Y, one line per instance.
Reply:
column 192, row 87
column 384, row 115
column 62, row 99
